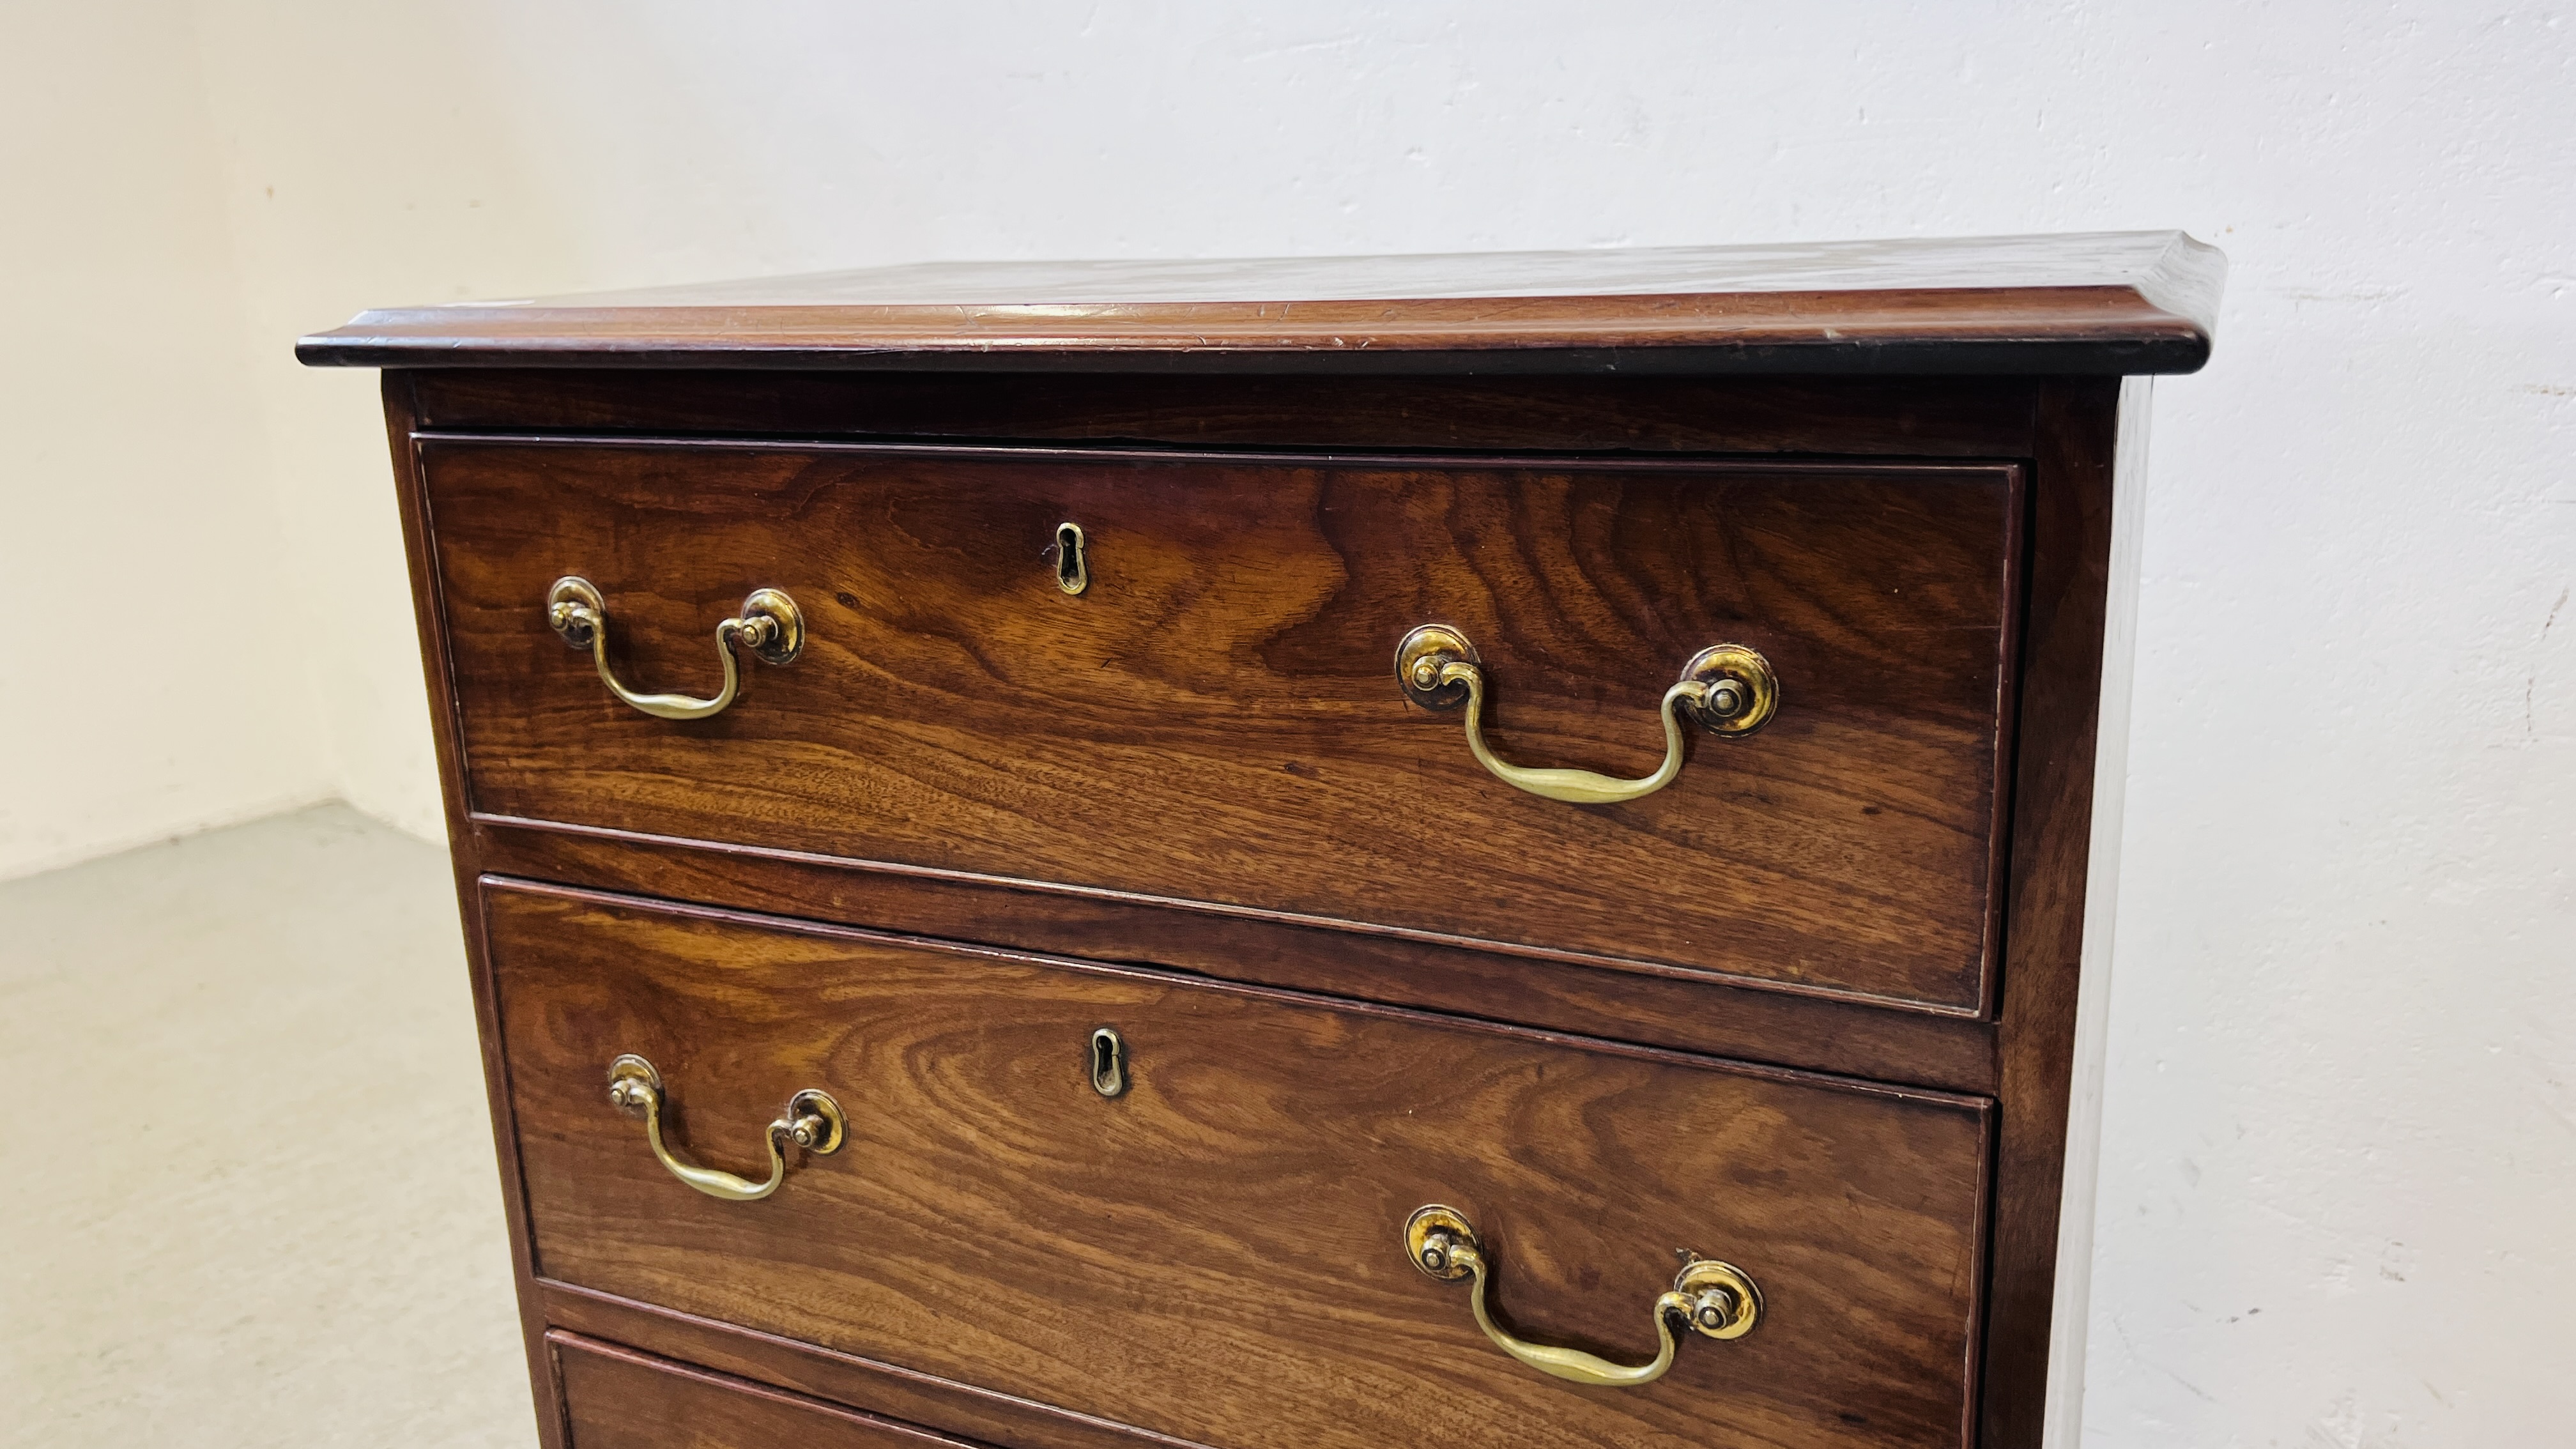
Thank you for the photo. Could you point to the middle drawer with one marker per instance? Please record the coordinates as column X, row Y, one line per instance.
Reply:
column 1209, row 1241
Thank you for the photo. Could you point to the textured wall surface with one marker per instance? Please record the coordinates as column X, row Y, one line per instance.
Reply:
column 2341, row 1101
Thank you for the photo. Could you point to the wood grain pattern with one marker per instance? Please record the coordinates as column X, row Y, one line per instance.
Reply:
column 881, row 1388
column 1214, row 1254
column 616, row 1398
column 2060, row 707
column 1548, row 361
column 448, row 739
column 1823, row 1034
column 2113, row 303
column 1915, row 417
column 1215, row 724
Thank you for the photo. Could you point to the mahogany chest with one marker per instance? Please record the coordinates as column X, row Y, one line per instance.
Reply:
column 1488, row 850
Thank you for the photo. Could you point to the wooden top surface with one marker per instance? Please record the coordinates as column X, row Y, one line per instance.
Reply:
column 2107, row 302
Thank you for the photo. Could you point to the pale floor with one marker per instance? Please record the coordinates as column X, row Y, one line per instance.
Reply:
column 250, row 1193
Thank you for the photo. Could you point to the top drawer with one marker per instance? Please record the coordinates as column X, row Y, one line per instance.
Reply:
column 1216, row 720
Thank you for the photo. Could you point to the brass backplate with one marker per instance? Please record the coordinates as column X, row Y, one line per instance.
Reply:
column 1437, row 644
column 576, row 590
column 1706, row 1273
column 636, row 1068
column 789, row 641
column 1435, row 1218
column 820, row 1104
column 1761, row 688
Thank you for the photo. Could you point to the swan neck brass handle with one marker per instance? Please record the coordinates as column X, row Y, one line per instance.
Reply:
column 1715, row 1299
column 770, row 626
column 1728, row 689
column 812, row 1121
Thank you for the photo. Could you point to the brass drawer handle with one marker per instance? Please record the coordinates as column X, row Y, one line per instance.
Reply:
column 812, row 1121
column 1729, row 689
column 770, row 626
column 1716, row 1299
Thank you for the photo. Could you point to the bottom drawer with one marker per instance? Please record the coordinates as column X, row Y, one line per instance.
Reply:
column 615, row 1398
column 1202, row 1233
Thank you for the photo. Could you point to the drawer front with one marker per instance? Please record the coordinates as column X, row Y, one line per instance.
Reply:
column 1215, row 1251
column 615, row 1398
column 1216, row 718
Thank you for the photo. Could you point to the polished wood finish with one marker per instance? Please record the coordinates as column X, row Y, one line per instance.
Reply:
column 2060, row 706
column 616, row 1398
column 1214, row 1255
column 2132, row 302
column 418, row 551
column 1216, row 723
column 888, row 1390
column 1631, row 373
column 1824, row 1034
column 1906, row 417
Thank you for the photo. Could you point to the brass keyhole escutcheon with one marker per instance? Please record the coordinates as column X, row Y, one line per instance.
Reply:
column 1072, row 564
column 1108, row 1062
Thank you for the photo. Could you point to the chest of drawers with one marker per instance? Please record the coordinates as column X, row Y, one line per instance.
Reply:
column 1301, row 855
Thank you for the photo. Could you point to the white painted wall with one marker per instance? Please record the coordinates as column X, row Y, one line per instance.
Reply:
column 2341, row 1103
column 151, row 680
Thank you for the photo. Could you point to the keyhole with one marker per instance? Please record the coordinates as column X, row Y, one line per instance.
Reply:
column 1072, row 570
column 1108, row 1063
